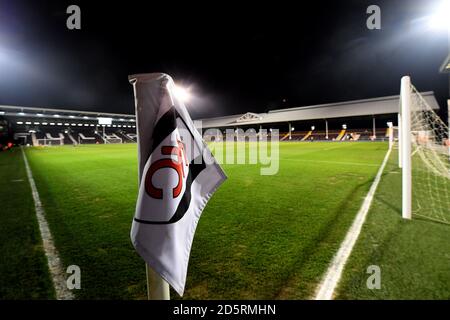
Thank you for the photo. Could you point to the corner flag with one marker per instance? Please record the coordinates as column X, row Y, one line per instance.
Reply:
column 177, row 177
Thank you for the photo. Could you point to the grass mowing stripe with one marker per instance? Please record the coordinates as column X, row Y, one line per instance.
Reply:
column 334, row 272
column 54, row 262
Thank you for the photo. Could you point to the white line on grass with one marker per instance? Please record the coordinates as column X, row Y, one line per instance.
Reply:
column 53, row 260
column 331, row 279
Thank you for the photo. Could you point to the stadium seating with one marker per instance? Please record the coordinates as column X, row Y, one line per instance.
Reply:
column 306, row 136
column 340, row 135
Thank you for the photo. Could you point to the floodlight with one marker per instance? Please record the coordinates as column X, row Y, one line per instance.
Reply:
column 312, row 127
column 292, row 129
column 344, row 126
column 182, row 93
column 441, row 18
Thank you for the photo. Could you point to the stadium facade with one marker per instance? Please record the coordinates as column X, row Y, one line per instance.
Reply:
column 352, row 120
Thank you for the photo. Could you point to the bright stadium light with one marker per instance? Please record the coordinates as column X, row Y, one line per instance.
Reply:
column 441, row 18
column 292, row 129
column 39, row 114
column 182, row 93
column 312, row 127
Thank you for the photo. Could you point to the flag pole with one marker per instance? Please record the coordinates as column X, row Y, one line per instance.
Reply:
column 157, row 287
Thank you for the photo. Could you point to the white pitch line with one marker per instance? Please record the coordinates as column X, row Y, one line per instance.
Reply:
column 331, row 279
column 54, row 262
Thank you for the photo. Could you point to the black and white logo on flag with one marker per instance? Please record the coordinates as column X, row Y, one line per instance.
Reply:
column 168, row 174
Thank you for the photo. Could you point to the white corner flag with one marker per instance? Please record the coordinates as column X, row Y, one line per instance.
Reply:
column 177, row 177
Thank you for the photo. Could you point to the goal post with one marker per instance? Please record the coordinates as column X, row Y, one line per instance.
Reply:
column 423, row 142
column 405, row 112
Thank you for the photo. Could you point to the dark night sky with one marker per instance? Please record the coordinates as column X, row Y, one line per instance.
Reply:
column 236, row 58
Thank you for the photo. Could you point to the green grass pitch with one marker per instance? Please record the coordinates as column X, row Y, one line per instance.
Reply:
column 260, row 237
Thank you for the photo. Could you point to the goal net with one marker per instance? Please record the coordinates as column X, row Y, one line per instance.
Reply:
column 48, row 142
column 425, row 158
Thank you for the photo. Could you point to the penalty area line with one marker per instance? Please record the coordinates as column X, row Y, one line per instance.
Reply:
column 327, row 286
column 54, row 262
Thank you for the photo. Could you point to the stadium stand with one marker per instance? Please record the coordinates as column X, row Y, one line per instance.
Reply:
column 364, row 120
column 82, row 139
column 340, row 135
column 306, row 136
